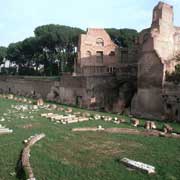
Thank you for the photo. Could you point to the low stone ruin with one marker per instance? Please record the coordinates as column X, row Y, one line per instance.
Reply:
column 139, row 166
column 24, row 107
column 167, row 128
column 119, row 120
column 75, row 117
column 99, row 128
column 150, row 125
column 4, row 130
column 40, row 102
column 26, row 154
column 17, row 99
column 135, row 122
column 64, row 119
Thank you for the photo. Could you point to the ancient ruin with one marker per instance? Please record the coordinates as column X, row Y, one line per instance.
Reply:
column 110, row 78
column 101, row 67
column 97, row 54
column 158, row 45
column 26, row 155
column 113, row 116
column 139, row 165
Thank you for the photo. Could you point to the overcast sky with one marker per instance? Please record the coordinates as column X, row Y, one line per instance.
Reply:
column 19, row 18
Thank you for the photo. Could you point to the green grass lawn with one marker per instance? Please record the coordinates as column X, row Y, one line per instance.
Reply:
column 66, row 155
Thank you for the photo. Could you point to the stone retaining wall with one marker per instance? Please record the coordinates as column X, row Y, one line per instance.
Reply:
column 26, row 86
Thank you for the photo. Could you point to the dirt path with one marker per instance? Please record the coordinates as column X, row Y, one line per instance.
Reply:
column 129, row 131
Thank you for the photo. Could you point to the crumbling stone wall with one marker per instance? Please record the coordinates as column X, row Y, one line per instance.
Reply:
column 171, row 101
column 158, row 44
column 97, row 53
column 26, row 86
column 83, row 91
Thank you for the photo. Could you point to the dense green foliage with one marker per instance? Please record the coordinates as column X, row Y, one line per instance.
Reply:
column 3, row 53
column 54, row 48
column 174, row 76
column 66, row 155
column 123, row 37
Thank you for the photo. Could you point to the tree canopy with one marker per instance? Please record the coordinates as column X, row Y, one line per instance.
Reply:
column 53, row 49
column 3, row 53
column 174, row 76
column 123, row 37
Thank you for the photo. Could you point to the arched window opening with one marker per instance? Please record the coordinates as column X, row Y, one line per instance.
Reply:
column 100, row 42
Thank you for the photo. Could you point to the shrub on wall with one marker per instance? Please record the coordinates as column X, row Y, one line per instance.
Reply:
column 174, row 76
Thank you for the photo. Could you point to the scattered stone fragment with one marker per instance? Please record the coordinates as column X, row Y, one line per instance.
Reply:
column 150, row 125
column 29, row 102
column 135, row 122
column 81, row 119
column 40, row 102
column 35, row 107
column 153, row 125
column 13, row 174
column 167, row 128
column 139, row 166
column 64, row 119
column 119, row 120
column 60, row 109
column 108, row 118
column 4, row 130
column 78, row 114
column 97, row 117
column 53, row 106
column 100, row 128
column 24, row 100
column 85, row 114
column 2, row 119
column 10, row 96
column 69, row 110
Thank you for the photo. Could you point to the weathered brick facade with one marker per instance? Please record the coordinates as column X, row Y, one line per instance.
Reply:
column 158, row 45
column 106, row 77
column 97, row 53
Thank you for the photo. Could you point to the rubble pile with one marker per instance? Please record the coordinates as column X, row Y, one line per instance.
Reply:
column 75, row 117
column 15, row 98
column 64, row 119
column 68, row 115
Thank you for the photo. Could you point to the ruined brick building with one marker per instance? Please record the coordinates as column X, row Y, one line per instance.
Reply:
column 158, row 45
column 97, row 53
column 111, row 78
column 101, row 67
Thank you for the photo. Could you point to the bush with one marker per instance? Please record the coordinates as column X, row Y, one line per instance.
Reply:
column 175, row 76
